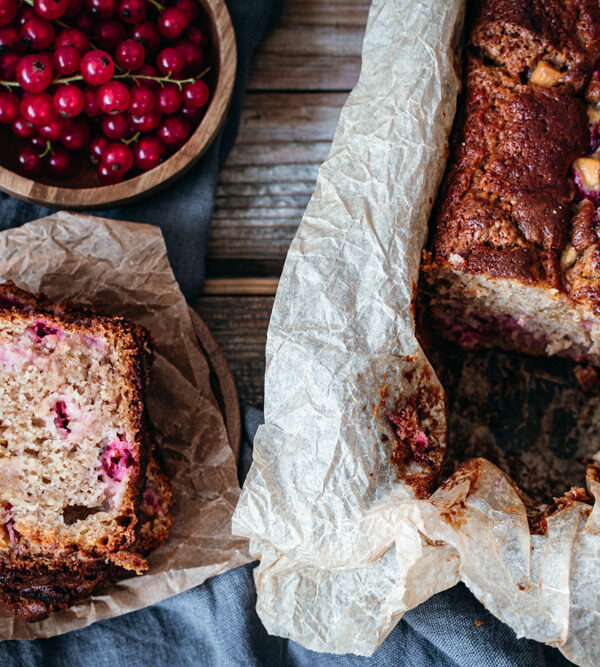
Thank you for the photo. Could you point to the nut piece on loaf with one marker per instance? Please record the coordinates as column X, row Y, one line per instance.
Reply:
column 514, row 254
column 82, row 498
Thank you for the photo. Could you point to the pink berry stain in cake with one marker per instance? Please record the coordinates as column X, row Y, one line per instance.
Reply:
column 61, row 421
column 94, row 342
column 9, row 522
column 420, row 445
column 151, row 502
column 584, row 190
column 117, row 459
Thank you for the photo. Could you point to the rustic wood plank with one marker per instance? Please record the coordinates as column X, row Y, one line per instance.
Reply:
column 269, row 179
column 280, row 72
column 332, row 12
column 239, row 325
column 317, row 46
column 240, row 286
column 278, row 117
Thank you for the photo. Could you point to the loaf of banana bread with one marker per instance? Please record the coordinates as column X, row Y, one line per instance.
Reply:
column 81, row 498
column 513, row 259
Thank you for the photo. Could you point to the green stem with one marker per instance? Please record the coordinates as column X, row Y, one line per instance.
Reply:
column 47, row 150
column 135, row 137
column 157, row 4
column 126, row 75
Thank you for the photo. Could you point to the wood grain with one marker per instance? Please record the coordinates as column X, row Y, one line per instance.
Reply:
column 239, row 325
column 268, row 180
column 222, row 383
column 317, row 46
column 80, row 191
column 298, row 83
column 239, row 286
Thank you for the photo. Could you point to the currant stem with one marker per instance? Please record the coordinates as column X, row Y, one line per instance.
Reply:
column 157, row 4
column 159, row 79
column 135, row 137
column 57, row 21
column 47, row 150
column 126, row 75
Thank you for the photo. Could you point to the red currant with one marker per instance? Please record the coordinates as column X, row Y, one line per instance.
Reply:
column 8, row 11
column 107, row 176
column 85, row 22
column 189, row 8
column 29, row 161
column 130, row 55
column 149, row 152
column 192, row 56
column 141, row 100
column 191, row 114
column 146, row 122
column 37, row 33
column 9, row 107
column 38, row 108
column 118, row 157
column 97, row 67
column 169, row 98
column 73, row 7
column 116, row 127
column 172, row 22
column 113, row 97
column 196, row 94
column 24, row 14
column 61, row 163
column 23, row 128
column 69, row 101
column 78, row 137
column 132, row 11
column 50, row 9
column 146, row 33
column 66, row 59
column 197, row 36
column 97, row 148
column 169, row 61
column 101, row 9
column 38, row 142
column 56, row 129
column 90, row 104
column 72, row 37
column 8, row 65
column 174, row 131
column 109, row 34
column 10, row 39
column 34, row 72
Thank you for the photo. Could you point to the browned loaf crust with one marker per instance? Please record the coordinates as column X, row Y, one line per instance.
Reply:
column 33, row 590
column 104, row 504
column 513, row 258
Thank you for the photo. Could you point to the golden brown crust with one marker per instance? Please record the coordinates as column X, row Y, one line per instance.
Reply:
column 517, row 35
column 515, row 202
column 34, row 588
column 43, row 573
column 506, row 207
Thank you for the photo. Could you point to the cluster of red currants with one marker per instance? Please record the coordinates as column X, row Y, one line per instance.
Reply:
column 121, row 81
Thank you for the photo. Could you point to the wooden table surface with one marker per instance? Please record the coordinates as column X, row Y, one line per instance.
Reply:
column 299, row 80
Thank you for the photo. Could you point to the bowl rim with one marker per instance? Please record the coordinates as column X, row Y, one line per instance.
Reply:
column 149, row 182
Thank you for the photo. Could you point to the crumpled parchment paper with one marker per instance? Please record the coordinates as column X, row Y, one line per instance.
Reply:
column 122, row 269
column 345, row 547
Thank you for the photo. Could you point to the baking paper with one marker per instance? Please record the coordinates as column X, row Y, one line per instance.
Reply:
column 122, row 269
column 345, row 546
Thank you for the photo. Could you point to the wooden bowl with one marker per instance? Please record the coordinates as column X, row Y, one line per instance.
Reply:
column 82, row 192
